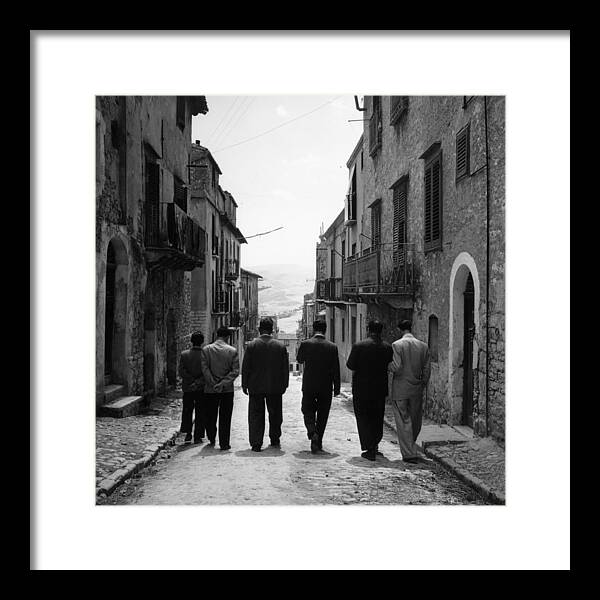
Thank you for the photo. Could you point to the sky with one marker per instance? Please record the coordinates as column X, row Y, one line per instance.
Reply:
column 293, row 177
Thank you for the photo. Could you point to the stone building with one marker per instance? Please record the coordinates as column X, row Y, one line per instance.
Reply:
column 249, row 304
column 426, row 232
column 291, row 342
column 215, row 285
column 308, row 316
column 146, row 244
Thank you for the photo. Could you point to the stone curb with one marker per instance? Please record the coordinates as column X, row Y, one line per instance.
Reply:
column 471, row 480
column 127, row 469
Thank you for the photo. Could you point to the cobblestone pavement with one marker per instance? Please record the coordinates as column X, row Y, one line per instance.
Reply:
column 200, row 474
column 121, row 441
column 483, row 458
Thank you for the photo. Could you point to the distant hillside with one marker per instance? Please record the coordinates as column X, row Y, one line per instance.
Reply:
column 287, row 285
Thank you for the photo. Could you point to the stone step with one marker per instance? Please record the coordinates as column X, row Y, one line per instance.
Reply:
column 112, row 392
column 125, row 406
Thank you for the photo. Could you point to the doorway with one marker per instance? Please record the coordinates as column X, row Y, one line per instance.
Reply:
column 109, row 314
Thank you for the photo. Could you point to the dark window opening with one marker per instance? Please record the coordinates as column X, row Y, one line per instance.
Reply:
column 343, row 329
column 462, row 153
column 352, row 198
column 152, row 199
column 180, row 118
column 433, row 203
column 180, row 194
column 433, row 338
column 398, row 106
column 353, row 330
column 375, row 126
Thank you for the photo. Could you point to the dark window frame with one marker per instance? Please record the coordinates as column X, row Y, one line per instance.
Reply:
column 180, row 193
column 375, row 126
column 376, row 218
column 399, row 246
column 433, row 244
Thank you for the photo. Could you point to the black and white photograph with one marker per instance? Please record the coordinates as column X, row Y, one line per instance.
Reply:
column 303, row 289
column 313, row 314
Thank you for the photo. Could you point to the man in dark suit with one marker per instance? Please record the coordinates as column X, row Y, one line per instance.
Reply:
column 368, row 361
column 192, row 384
column 265, row 377
column 321, row 375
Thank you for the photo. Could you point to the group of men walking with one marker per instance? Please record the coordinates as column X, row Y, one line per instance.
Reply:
column 398, row 371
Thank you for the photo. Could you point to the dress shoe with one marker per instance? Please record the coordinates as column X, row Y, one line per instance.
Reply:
column 198, row 441
column 211, row 442
column 314, row 443
column 378, row 453
column 413, row 460
column 256, row 448
column 188, row 438
column 368, row 455
column 275, row 444
column 225, row 448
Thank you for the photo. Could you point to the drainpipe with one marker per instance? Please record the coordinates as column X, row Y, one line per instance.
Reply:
column 487, row 269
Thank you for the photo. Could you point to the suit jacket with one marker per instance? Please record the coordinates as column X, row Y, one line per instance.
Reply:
column 410, row 367
column 190, row 370
column 266, row 366
column 321, row 365
column 368, row 361
column 220, row 364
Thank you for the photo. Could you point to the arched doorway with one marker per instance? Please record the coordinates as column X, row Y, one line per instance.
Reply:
column 115, row 313
column 463, row 339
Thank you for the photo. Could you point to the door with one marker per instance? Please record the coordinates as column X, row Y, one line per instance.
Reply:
column 469, row 332
column 109, row 313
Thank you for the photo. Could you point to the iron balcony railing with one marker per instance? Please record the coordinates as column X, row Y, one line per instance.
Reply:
column 382, row 270
column 329, row 289
column 170, row 230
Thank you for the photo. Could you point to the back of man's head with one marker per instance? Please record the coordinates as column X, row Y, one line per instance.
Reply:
column 319, row 326
column 223, row 332
column 266, row 325
column 375, row 327
column 405, row 325
column 197, row 338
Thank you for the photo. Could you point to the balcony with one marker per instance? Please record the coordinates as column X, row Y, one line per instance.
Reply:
column 383, row 271
column 221, row 301
column 232, row 269
column 173, row 240
column 329, row 289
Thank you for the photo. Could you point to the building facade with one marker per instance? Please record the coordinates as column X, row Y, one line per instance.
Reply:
column 147, row 244
column 425, row 228
column 249, row 304
column 291, row 342
column 215, row 286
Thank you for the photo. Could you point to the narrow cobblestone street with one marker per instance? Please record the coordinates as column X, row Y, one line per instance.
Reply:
column 200, row 474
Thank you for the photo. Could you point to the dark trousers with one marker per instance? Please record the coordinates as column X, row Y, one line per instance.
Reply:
column 193, row 406
column 256, row 417
column 315, row 408
column 218, row 406
column 369, row 413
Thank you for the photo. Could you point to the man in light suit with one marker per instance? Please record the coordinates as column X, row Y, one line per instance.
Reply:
column 410, row 370
column 321, row 376
column 265, row 377
column 220, row 366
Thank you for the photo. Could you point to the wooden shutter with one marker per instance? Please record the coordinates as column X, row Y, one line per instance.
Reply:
column 462, row 153
column 152, row 203
column 180, row 194
column 433, row 204
column 375, row 225
column 398, row 106
column 400, row 216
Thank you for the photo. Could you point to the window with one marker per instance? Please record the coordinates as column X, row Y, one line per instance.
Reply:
column 180, row 117
column 398, row 106
column 433, row 338
column 462, row 153
column 343, row 251
column 332, row 263
column 353, row 330
column 375, row 224
column 179, row 193
column 400, row 191
column 352, row 198
column 152, row 201
column 353, row 249
column 433, row 203
column 375, row 126
column 343, row 329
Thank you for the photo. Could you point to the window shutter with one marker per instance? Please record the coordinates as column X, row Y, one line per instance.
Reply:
column 375, row 225
column 433, row 204
column 462, row 153
column 399, row 235
column 152, row 202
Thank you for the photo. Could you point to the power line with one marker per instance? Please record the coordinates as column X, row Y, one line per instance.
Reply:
column 278, row 126
column 230, row 128
column 223, row 118
column 225, row 129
